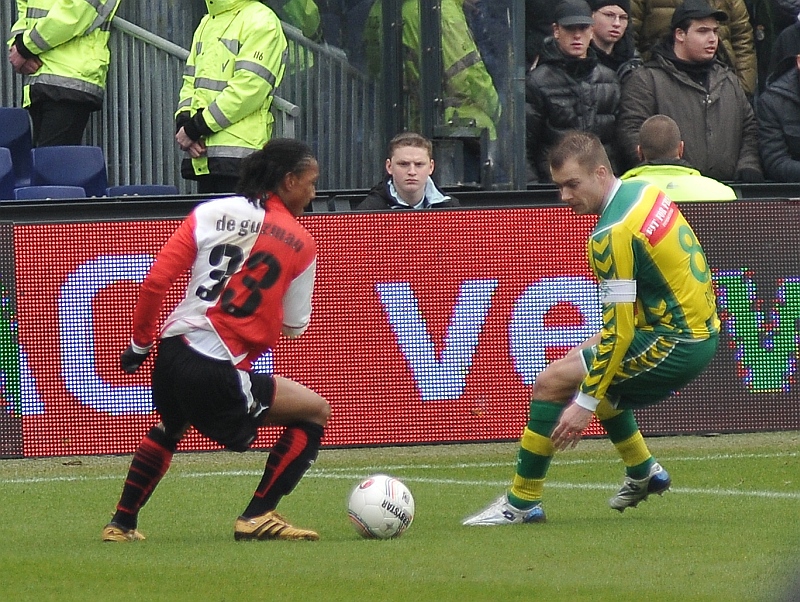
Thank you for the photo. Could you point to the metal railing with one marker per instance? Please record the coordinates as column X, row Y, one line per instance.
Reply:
column 322, row 101
column 136, row 126
column 10, row 84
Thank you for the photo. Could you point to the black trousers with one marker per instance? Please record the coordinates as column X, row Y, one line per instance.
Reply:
column 211, row 184
column 59, row 122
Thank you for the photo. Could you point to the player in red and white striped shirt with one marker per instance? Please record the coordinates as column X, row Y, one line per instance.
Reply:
column 252, row 267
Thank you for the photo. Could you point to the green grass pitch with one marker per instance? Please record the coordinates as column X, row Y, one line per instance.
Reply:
column 728, row 531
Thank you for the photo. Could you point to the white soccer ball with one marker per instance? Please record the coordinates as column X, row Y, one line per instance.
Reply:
column 381, row 507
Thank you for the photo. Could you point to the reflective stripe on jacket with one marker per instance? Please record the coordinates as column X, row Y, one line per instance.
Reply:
column 468, row 88
column 71, row 40
column 236, row 61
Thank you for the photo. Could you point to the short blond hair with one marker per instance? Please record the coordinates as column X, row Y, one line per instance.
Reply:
column 409, row 139
column 583, row 147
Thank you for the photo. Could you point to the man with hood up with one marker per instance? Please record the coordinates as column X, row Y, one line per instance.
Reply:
column 236, row 62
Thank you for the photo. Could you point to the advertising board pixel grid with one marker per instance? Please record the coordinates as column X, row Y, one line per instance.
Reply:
column 427, row 327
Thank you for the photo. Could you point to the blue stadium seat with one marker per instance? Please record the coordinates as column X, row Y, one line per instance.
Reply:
column 6, row 174
column 142, row 190
column 83, row 166
column 49, row 192
column 15, row 135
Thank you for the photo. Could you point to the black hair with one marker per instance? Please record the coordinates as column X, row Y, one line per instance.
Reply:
column 683, row 25
column 265, row 169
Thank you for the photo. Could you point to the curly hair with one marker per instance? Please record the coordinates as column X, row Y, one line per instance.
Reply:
column 264, row 170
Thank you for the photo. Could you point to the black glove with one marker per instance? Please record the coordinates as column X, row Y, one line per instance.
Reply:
column 130, row 360
column 22, row 49
column 196, row 127
column 181, row 120
column 749, row 175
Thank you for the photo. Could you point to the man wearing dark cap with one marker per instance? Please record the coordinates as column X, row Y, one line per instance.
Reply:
column 650, row 22
column 612, row 39
column 568, row 89
column 687, row 82
column 695, row 10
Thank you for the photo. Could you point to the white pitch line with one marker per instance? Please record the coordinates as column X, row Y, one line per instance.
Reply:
column 369, row 469
column 790, row 495
column 564, row 462
column 356, row 476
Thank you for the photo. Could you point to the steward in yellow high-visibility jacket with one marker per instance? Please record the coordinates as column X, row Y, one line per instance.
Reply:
column 66, row 42
column 680, row 181
column 236, row 62
column 303, row 14
column 469, row 92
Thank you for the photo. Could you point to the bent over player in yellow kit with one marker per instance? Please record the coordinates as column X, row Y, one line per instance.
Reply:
column 659, row 332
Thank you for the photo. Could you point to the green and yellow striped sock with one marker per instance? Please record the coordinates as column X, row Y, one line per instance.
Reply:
column 535, row 452
column 624, row 433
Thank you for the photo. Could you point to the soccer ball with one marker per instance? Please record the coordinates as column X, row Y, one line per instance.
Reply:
column 381, row 507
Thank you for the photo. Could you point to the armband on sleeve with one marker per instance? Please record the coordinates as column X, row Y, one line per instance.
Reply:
column 617, row 291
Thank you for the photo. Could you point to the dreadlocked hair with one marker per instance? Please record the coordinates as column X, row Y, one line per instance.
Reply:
column 265, row 169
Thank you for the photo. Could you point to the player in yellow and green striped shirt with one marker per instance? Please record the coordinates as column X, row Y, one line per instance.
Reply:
column 660, row 331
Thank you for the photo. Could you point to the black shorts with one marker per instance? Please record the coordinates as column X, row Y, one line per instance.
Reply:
column 225, row 404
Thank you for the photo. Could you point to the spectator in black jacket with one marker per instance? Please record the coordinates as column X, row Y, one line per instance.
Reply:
column 769, row 19
column 778, row 112
column 569, row 90
column 782, row 57
column 407, row 183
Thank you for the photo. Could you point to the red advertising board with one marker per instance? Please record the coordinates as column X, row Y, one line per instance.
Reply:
column 427, row 326
column 411, row 337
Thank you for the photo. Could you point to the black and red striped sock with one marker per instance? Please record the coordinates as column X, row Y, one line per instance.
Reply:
column 150, row 462
column 294, row 452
